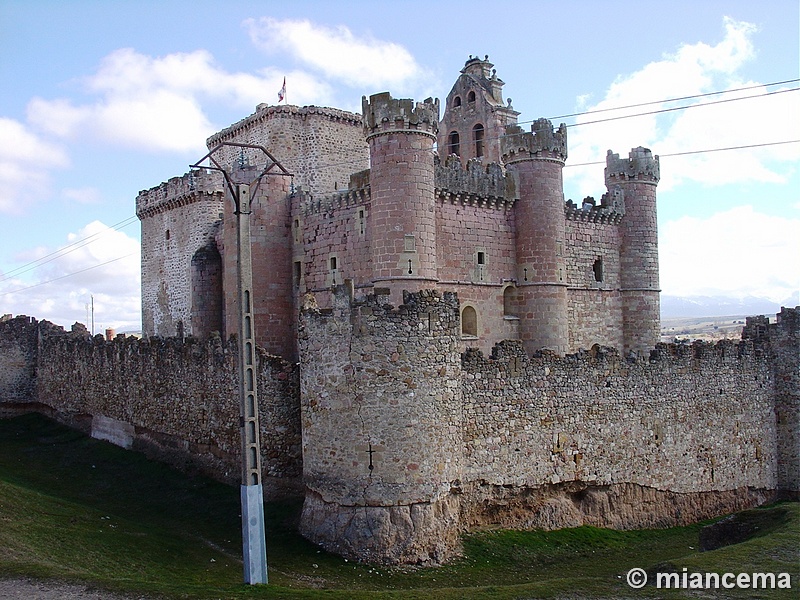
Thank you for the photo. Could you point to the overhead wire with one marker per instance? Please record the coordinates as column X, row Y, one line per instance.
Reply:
column 56, row 254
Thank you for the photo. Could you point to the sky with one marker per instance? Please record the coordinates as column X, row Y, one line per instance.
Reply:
column 103, row 99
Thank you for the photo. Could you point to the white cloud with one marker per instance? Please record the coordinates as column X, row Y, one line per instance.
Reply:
column 736, row 252
column 361, row 61
column 693, row 69
column 162, row 103
column 25, row 162
column 107, row 268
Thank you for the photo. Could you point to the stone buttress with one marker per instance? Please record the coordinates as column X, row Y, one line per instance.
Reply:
column 537, row 159
column 381, row 413
column 637, row 177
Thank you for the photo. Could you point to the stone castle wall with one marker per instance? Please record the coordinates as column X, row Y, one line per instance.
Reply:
column 179, row 219
column 171, row 398
column 454, row 440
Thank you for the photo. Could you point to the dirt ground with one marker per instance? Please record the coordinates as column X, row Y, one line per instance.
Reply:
column 33, row 589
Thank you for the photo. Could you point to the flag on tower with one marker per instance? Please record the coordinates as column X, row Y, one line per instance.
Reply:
column 282, row 93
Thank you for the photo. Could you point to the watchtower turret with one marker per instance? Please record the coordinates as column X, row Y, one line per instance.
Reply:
column 537, row 158
column 637, row 178
column 401, row 135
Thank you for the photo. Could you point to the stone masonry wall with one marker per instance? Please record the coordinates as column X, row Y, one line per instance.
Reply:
column 17, row 361
column 177, row 398
column 381, row 413
column 594, row 307
column 692, row 421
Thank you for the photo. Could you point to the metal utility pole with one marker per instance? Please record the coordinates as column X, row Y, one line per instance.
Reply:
column 241, row 187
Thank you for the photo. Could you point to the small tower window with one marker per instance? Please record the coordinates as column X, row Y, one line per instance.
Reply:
column 333, row 263
column 453, row 144
column 481, row 258
column 597, row 267
column 510, row 301
column 471, row 96
column 469, row 322
column 477, row 134
column 457, row 101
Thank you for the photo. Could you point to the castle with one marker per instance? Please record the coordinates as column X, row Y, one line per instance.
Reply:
column 485, row 218
column 444, row 341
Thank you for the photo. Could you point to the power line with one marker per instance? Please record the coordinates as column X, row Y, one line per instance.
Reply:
column 674, row 108
column 667, row 100
column 30, row 287
column 602, row 162
column 35, row 264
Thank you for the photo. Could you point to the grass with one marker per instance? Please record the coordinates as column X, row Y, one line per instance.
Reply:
column 78, row 509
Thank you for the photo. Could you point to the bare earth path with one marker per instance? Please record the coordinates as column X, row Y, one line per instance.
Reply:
column 33, row 589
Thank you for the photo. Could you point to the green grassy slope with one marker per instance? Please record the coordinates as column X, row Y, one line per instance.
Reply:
column 74, row 508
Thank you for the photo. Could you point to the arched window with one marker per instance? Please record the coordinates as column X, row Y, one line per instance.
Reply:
column 453, row 144
column 477, row 136
column 471, row 96
column 469, row 322
column 457, row 101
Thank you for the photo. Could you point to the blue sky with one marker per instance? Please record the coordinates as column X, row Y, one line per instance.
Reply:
column 103, row 99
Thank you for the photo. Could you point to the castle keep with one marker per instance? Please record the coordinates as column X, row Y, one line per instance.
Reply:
column 445, row 342
column 374, row 203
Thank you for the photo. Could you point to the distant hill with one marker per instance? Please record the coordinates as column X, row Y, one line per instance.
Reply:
column 720, row 306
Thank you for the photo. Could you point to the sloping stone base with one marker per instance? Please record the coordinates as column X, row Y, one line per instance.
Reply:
column 423, row 533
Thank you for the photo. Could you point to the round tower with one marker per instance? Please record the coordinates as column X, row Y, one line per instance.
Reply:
column 401, row 135
column 637, row 177
column 537, row 158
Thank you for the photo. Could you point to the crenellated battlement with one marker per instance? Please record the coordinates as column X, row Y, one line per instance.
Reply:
column 383, row 114
column 193, row 186
column 474, row 184
column 265, row 112
column 610, row 211
column 640, row 165
column 311, row 204
column 542, row 142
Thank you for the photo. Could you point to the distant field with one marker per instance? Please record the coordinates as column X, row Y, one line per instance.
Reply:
column 709, row 329
column 79, row 510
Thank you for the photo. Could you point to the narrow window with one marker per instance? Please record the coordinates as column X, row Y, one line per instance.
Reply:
column 333, row 263
column 361, row 225
column 481, row 258
column 471, row 96
column 457, row 101
column 477, row 134
column 298, row 272
column 453, row 145
column 598, row 269
column 296, row 231
column 167, row 234
column 469, row 322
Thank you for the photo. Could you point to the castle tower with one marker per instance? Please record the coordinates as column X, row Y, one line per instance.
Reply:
column 401, row 135
column 181, row 276
column 382, row 419
column 637, row 178
column 537, row 159
column 474, row 117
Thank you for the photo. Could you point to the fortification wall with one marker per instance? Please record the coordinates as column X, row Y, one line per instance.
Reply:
column 594, row 307
column 332, row 239
column 173, row 399
column 18, row 340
